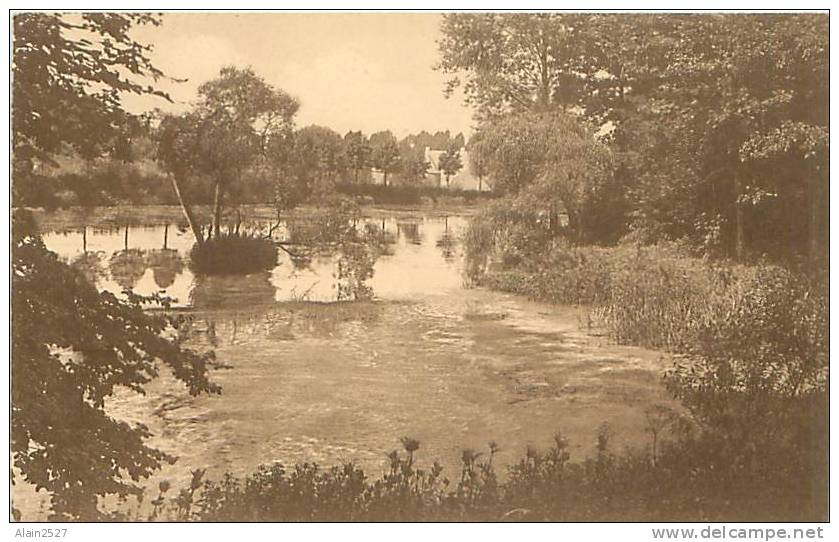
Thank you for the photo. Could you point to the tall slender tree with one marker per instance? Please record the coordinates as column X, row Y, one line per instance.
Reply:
column 385, row 153
column 450, row 163
column 358, row 152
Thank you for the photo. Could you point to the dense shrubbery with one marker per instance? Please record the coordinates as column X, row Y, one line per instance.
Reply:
column 233, row 254
column 72, row 349
column 684, row 477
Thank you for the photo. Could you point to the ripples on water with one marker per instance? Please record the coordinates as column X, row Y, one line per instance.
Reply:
column 331, row 382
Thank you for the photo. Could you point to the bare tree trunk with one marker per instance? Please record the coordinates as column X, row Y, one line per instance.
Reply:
column 385, row 176
column 544, row 77
column 813, row 240
column 739, row 241
column 190, row 218
column 217, row 203
column 574, row 227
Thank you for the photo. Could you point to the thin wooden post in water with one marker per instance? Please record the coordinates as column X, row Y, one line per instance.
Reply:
column 126, row 237
column 84, row 239
column 165, row 236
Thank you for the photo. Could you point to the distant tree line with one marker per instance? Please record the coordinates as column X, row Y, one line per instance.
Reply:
column 250, row 152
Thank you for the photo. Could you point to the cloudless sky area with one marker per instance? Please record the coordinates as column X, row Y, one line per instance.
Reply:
column 350, row 71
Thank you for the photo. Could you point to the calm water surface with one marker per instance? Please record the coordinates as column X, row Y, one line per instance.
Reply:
column 329, row 382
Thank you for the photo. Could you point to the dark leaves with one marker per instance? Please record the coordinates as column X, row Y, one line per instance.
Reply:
column 72, row 348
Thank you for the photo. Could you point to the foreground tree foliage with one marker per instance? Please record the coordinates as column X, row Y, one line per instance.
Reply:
column 72, row 348
column 67, row 75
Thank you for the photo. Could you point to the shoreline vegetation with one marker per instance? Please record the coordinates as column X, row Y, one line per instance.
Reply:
column 672, row 483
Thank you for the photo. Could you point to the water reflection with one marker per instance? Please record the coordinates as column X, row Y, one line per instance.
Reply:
column 447, row 242
column 288, row 322
column 90, row 265
column 410, row 231
column 166, row 264
column 230, row 292
column 127, row 267
column 409, row 256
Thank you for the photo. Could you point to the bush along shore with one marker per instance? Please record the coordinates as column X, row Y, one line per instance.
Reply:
column 749, row 342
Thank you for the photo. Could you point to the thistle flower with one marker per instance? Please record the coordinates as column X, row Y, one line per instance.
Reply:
column 411, row 445
column 197, row 476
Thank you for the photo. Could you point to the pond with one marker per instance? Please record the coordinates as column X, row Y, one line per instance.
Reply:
column 427, row 357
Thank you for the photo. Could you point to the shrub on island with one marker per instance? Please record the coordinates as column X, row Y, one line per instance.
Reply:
column 233, row 255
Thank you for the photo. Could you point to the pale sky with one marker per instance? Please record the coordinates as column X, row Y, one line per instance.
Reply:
column 350, row 71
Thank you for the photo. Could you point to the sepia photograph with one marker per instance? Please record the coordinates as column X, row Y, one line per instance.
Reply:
column 419, row 266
